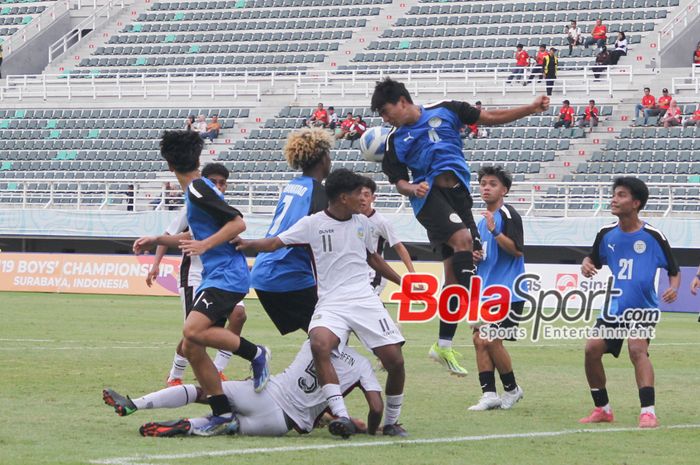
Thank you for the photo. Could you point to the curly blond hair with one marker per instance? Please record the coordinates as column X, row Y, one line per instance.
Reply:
column 306, row 147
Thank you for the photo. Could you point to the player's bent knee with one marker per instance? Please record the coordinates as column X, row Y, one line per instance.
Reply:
column 461, row 241
column 594, row 349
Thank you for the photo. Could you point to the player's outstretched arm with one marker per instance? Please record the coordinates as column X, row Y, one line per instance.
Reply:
column 146, row 243
column 376, row 408
column 382, row 267
column 227, row 232
column 493, row 117
column 269, row 244
column 671, row 294
column 405, row 257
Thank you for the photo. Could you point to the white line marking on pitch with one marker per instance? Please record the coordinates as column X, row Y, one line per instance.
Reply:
column 144, row 459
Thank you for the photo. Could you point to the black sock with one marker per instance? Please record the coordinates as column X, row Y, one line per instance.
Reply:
column 448, row 330
column 219, row 404
column 600, row 397
column 487, row 379
column 508, row 380
column 463, row 267
column 647, row 396
column 246, row 350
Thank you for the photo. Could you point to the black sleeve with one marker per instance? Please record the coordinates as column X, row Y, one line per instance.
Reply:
column 391, row 166
column 202, row 196
column 467, row 114
column 513, row 226
column 595, row 252
column 319, row 199
column 671, row 263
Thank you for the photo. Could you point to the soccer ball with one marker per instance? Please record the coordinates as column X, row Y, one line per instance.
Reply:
column 373, row 143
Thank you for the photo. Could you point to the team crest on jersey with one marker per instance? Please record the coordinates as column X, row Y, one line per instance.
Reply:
column 435, row 122
column 361, row 232
column 640, row 247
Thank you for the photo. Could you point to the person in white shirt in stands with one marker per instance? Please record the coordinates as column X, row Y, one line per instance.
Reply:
column 292, row 399
column 573, row 36
column 341, row 246
column 200, row 125
column 620, row 49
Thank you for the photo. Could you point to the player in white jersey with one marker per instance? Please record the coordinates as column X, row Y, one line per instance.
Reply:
column 292, row 399
column 341, row 246
column 190, row 276
column 382, row 233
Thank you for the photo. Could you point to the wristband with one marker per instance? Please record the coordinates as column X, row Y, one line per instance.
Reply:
column 674, row 288
column 697, row 275
column 495, row 233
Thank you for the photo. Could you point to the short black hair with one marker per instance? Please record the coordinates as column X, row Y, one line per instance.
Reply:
column 591, row 101
column 567, row 102
column 388, row 91
column 622, row 34
column 543, row 46
column 181, row 149
column 519, row 46
column 478, row 102
column 646, row 88
column 636, row 186
column 342, row 181
column 370, row 184
column 497, row 171
column 215, row 168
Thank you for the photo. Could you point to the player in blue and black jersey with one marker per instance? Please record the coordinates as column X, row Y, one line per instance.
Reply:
column 225, row 277
column 284, row 280
column 499, row 262
column 634, row 251
column 424, row 159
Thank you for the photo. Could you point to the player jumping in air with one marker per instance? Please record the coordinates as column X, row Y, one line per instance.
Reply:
column 500, row 261
column 190, row 275
column 292, row 400
column 341, row 246
column 225, row 277
column 426, row 141
column 633, row 250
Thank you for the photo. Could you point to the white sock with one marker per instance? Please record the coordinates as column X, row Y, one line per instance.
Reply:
column 392, row 409
column 178, row 368
column 445, row 343
column 172, row 397
column 335, row 400
column 649, row 409
column 606, row 408
column 221, row 360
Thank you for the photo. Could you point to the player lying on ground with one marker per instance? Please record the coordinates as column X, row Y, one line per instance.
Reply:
column 634, row 251
column 293, row 399
column 341, row 243
column 190, row 275
column 426, row 141
column 225, row 276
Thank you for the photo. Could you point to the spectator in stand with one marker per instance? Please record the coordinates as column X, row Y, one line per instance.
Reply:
column 319, row 118
column 573, row 36
column 648, row 104
column 212, row 129
column 551, row 63
column 590, row 117
column 129, row 194
column 358, row 129
column 664, row 101
column 200, row 125
column 345, row 127
column 566, row 116
column 620, row 49
column 602, row 60
column 0, row 60
column 693, row 120
column 538, row 69
column 672, row 116
column 696, row 55
column 189, row 123
column 599, row 35
column 332, row 118
column 522, row 59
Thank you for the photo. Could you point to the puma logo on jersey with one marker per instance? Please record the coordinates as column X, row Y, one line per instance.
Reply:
column 409, row 137
column 206, row 303
column 612, row 247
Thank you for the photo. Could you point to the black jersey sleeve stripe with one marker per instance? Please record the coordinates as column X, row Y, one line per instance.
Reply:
column 671, row 263
column 595, row 252
column 467, row 114
column 391, row 166
column 202, row 196
column 513, row 226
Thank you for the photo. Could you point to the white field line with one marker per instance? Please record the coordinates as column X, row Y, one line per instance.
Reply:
column 147, row 459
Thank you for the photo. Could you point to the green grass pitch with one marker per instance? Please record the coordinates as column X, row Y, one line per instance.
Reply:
column 59, row 351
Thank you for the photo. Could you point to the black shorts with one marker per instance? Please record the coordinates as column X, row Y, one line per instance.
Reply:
column 216, row 304
column 614, row 346
column 289, row 310
column 187, row 299
column 446, row 211
column 516, row 309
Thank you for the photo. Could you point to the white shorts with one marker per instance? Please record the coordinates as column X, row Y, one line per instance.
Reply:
column 367, row 318
column 258, row 413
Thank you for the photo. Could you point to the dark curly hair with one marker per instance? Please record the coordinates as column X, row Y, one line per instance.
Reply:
column 181, row 149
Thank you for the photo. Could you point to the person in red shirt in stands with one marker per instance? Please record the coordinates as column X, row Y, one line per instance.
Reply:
column 522, row 59
column 693, row 120
column 472, row 130
column 345, row 127
column 590, row 118
column 599, row 35
column 538, row 69
column 696, row 55
column 319, row 118
column 648, row 104
column 672, row 116
column 660, row 108
column 358, row 128
column 566, row 115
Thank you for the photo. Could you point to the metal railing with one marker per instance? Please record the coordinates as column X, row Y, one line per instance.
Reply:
column 691, row 83
column 97, row 18
column 677, row 23
column 537, row 199
column 33, row 28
